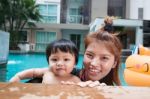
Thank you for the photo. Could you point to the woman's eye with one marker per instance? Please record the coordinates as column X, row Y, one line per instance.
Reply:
column 105, row 58
column 89, row 56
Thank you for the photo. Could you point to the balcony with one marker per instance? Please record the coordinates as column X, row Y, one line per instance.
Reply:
column 76, row 19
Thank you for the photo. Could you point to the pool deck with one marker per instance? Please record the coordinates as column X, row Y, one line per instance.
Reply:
column 43, row 91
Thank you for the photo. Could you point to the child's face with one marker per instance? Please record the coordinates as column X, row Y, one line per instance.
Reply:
column 98, row 61
column 61, row 63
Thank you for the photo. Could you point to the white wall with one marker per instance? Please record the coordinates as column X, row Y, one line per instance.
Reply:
column 98, row 8
column 47, row 1
column 134, row 5
column 146, row 11
column 4, row 48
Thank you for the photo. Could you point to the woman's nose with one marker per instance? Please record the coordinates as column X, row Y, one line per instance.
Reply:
column 95, row 62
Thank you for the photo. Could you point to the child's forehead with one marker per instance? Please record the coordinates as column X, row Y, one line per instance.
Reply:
column 58, row 51
column 62, row 54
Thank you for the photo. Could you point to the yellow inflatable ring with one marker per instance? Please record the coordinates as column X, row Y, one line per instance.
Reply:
column 144, row 51
column 137, row 71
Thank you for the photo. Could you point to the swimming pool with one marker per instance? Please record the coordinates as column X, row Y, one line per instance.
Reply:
column 19, row 62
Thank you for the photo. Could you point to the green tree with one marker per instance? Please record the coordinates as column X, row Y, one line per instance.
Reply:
column 15, row 14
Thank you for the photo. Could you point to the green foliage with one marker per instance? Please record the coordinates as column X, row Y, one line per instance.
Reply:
column 15, row 14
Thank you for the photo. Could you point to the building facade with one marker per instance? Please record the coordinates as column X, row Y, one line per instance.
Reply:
column 139, row 9
column 70, row 19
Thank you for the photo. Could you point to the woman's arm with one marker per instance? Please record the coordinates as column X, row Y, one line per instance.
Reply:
column 29, row 73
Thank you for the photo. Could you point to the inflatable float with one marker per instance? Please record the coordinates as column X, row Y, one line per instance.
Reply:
column 137, row 70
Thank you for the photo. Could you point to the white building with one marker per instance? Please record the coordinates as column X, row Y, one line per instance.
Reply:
column 70, row 19
column 139, row 9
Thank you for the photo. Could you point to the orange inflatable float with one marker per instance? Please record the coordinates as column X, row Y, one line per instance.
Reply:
column 137, row 71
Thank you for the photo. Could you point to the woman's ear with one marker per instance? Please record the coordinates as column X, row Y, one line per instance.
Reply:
column 114, row 65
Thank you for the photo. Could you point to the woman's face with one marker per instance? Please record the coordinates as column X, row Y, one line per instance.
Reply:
column 98, row 61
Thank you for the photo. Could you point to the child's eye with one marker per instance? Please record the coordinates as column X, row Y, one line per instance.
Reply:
column 54, row 59
column 66, row 59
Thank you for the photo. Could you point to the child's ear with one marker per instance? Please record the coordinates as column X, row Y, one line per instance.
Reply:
column 114, row 65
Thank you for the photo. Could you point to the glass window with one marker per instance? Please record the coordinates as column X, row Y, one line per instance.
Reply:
column 140, row 13
column 42, row 9
column 76, row 39
column 52, row 19
column 44, row 38
column 49, row 13
column 23, row 36
column 117, row 8
column 74, row 15
column 146, row 30
column 74, row 11
column 146, row 39
column 49, row 19
column 52, row 9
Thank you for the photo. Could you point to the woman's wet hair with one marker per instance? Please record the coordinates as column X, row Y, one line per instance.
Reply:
column 62, row 45
column 108, row 37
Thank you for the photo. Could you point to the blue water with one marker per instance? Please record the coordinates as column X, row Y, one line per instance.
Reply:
column 121, row 71
column 19, row 62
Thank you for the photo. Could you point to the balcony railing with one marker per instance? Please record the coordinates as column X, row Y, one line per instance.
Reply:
column 78, row 19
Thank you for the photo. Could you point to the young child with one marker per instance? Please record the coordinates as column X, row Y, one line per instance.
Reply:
column 62, row 56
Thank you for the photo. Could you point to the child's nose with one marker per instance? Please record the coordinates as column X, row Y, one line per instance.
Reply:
column 59, row 63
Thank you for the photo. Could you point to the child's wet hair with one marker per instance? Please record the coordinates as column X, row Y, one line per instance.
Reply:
column 64, row 46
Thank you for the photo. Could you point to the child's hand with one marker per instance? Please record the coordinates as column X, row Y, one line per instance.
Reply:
column 15, row 78
column 68, row 82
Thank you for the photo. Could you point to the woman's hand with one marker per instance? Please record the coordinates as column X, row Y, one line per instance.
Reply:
column 95, row 84
column 91, row 84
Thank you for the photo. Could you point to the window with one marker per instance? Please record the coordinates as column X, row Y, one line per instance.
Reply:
column 117, row 8
column 48, row 12
column 74, row 15
column 146, row 39
column 76, row 39
column 146, row 32
column 44, row 38
column 74, row 11
column 140, row 13
column 22, row 36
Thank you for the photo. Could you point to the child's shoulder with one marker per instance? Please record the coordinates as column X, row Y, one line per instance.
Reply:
column 75, row 79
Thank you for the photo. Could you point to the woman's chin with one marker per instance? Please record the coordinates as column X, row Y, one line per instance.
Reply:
column 94, row 76
column 93, row 73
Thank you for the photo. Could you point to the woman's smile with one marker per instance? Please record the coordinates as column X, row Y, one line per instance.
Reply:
column 94, row 71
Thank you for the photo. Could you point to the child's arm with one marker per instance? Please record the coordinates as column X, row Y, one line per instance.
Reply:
column 29, row 73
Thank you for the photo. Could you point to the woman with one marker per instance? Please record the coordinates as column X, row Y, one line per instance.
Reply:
column 101, row 58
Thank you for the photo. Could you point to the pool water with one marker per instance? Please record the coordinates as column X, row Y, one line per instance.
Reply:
column 19, row 62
